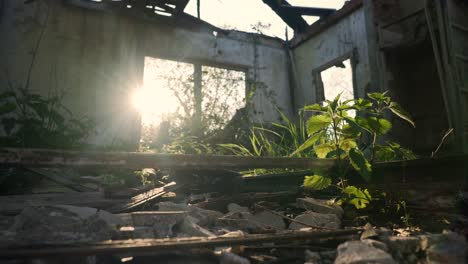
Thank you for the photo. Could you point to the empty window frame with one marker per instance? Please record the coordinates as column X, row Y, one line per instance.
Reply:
column 206, row 95
column 335, row 77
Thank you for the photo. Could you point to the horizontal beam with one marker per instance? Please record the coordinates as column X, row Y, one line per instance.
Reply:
column 58, row 158
column 309, row 11
column 164, row 245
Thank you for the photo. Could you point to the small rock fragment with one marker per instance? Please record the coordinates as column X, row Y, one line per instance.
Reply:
column 354, row 252
column 190, row 228
column 369, row 232
column 319, row 206
column 330, row 221
column 170, row 206
column 312, row 257
column 270, row 219
column 328, row 256
column 403, row 245
column 161, row 222
column 254, row 223
column 376, row 244
column 235, row 208
column 231, row 258
column 61, row 224
column 453, row 250
column 204, row 217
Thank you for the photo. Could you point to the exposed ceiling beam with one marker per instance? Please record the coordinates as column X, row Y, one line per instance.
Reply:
column 290, row 17
column 309, row 11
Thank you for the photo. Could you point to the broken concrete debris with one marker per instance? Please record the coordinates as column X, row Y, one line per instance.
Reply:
column 319, row 206
column 61, row 224
column 354, row 252
column 313, row 219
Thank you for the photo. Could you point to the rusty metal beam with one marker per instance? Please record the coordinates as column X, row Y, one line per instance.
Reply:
column 58, row 158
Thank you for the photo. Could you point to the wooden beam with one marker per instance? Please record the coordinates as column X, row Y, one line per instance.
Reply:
column 14, row 204
column 60, row 179
column 164, row 245
column 54, row 158
column 309, row 11
column 143, row 198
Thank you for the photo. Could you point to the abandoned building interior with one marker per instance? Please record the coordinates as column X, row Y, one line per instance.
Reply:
column 154, row 80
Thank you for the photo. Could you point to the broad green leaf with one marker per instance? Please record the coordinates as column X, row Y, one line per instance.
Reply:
column 384, row 126
column 379, row 97
column 400, row 112
column 7, row 108
column 384, row 153
column 357, row 197
column 317, row 123
column 376, row 125
column 361, row 104
column 351, row 129
column 323, row 149
column 307, row 144
column 317, row 182
column 348, row 144
column 7, row 94
column 360, row 164
column 315, row 107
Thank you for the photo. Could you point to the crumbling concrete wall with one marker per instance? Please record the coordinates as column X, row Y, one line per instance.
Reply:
column 97, row 59
column 342, row 38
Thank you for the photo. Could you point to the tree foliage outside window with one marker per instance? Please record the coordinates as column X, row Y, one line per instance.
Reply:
column 223, row 94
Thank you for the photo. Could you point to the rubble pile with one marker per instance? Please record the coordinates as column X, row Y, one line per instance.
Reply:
column 68, row 225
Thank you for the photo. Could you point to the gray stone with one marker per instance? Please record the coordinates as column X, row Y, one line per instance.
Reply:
column 330, row 221
column 429, row 240
column 140, row 232
column 319, row 206
column 357, row 252
column 328, row 256
column 312, row 257
column 453, row 250
column 204, row 217
column 189, row 228
column 403, row 245
column 85, row 212
column 369, row 232
column 269, row 219
column 231, row 258
column 375, row 244
column 162, row 223
column 170, row 206
column 235, row 208
column 241, row 221
column 60, row 224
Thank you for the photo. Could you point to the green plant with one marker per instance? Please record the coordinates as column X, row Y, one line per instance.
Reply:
column 31, row 120
column 353, row 140
column 280, row 139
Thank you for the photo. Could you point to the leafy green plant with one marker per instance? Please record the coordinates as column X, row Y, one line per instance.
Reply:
column 31, row 120
column 280, row 139
column 352, row 139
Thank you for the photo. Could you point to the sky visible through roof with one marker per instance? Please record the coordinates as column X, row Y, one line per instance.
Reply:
column 243, row 14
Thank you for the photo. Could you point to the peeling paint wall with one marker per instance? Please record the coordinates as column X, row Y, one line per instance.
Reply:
column 97, row 59
column 336, row 41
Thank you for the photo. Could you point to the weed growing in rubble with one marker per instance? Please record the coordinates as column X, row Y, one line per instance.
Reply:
column 280, row 139
column 349, row 131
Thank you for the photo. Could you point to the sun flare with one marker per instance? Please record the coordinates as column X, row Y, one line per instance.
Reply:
column 153, row 101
